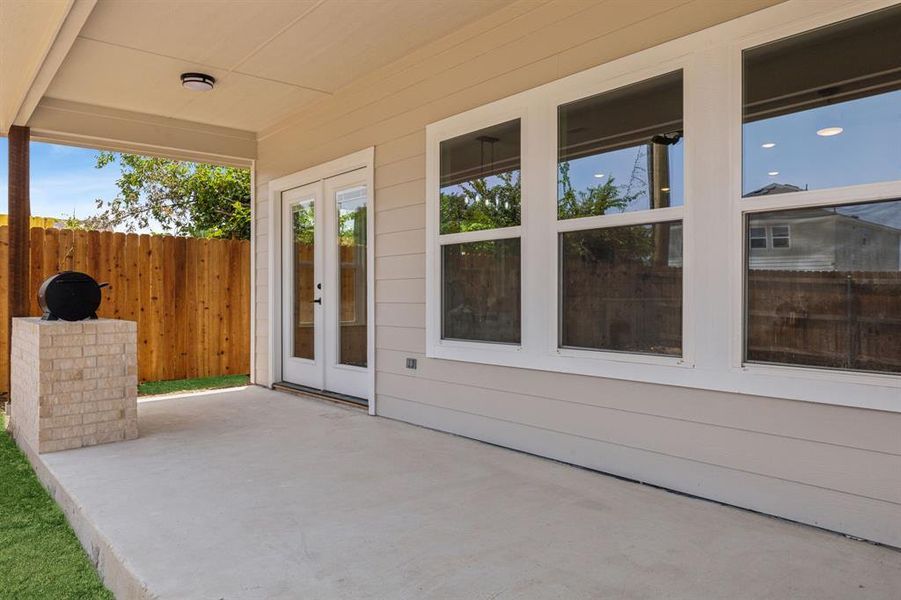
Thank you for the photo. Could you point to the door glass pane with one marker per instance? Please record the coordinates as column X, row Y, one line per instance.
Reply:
column 622, row 150
column 481, row 295
column 827, row 291
column 352, row 276
column 821, row 109
column 621, row 289
column 480, row 179
column 303, row 228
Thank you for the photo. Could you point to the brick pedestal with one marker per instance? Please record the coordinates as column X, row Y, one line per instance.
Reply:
column 73, row 384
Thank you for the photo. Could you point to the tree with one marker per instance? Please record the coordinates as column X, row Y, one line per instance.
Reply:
column 481, row 203
column 184, row 198
column 633, row 244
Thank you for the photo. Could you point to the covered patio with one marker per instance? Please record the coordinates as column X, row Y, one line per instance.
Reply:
column 252, row 493
column 347, row 115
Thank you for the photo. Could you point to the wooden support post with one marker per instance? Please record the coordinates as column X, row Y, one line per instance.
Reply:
column 19, row 223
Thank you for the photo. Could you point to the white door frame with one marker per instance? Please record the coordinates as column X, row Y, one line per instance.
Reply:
column 363, row 159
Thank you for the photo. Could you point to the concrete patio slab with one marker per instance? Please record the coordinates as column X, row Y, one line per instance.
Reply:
column 252, row 493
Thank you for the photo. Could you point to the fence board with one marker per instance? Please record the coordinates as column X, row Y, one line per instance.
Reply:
column 190, row 297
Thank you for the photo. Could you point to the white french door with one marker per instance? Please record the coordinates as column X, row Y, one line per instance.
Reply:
column 324, row 285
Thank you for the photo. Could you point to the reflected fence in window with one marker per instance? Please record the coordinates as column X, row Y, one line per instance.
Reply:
column 832, row 298
column 481, row 297
column 621, row 289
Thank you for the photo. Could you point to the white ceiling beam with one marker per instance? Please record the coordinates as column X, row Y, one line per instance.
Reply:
column 74, row 21
column 90, row 126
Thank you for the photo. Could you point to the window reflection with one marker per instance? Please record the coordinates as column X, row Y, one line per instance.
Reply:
column 481, row 291
column 621, row 151
column 821, row 109
column 827, row 290
column 621, row 289
column 480, row 179
column 303, row 227
column 352, row 346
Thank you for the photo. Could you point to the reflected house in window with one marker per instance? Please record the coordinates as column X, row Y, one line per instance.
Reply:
column 822, row 239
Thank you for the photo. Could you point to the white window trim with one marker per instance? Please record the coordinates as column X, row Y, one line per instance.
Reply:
column 713, row 281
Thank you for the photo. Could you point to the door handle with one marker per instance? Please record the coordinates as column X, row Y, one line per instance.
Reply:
column 317, row 301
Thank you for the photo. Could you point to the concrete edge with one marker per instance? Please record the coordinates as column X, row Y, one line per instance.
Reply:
column 114, row 571
column 191, row 393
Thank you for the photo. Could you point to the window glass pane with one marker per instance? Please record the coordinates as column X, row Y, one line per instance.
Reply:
column 821, row 109
column 480, row 179
column 621, row 151
column 352, row 346
column 757, row 237
column 480, row 299
column 303, row 223
column 621, row 289
column 832, row 297
column 781, row 236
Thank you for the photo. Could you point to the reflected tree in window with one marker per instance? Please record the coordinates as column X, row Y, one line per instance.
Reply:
column 482, row 203
column 591, row 201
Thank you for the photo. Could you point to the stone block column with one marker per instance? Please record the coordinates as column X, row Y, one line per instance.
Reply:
column 73, row 384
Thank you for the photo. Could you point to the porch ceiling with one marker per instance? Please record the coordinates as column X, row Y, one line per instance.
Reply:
column 270, row 57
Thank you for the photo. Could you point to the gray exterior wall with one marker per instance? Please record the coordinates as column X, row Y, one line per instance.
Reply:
column 825, row 465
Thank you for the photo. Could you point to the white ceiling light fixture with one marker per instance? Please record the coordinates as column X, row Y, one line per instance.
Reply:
column 829, row 131
column 768, row 145
column 197, row 82
column 773, row 173
column 599, row 175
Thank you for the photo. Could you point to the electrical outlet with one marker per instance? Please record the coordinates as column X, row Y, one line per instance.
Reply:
column 411, row 363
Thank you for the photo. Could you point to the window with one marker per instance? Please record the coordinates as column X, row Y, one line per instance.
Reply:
column 480, row 180
column 821, row 108
column 821, row 111
column 620, row 291
column 481, row 295
column 351, row 217
column 303, row 227
column 757, row 237
column 623, row 223
column 619, row 152
column 479, row 221
column 781, row 236
column 835, row 299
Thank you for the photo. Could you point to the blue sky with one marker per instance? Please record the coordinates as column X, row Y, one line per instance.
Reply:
column 63, row 180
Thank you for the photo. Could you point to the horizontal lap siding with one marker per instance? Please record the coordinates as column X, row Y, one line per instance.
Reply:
column 831, row 466
column 839, row 511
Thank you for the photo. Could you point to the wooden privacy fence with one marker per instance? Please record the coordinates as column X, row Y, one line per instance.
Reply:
column 190, row 297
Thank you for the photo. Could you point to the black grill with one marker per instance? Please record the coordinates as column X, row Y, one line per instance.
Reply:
column 70, row 296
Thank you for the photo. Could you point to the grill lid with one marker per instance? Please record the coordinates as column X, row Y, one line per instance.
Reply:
column 70, row 296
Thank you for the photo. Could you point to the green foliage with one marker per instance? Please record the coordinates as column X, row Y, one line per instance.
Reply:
column 494, row 203
column 590, row 202
column 73, row 222
column 191, row 199
column 626, row 243
column 483, row 203
column 40, row 557
column 172, row 386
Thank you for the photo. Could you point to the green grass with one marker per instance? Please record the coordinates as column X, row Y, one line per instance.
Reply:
column 40, row 556
column 183, row 385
